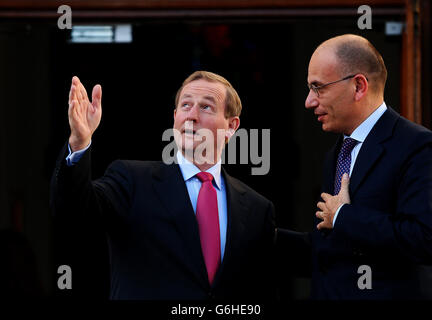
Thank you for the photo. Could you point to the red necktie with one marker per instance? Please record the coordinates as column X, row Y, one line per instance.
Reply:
column 208, row 223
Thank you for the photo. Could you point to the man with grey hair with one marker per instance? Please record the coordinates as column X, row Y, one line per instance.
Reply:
column 373, row 229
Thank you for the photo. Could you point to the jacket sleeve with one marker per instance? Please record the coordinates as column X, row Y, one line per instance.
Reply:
column 74, row 194
column 293, row 252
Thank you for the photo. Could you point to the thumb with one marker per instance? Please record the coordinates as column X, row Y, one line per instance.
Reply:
column 96, row 96
column 344, row 184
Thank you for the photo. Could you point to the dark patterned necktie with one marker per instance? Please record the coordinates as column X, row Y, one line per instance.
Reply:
column 343, row 162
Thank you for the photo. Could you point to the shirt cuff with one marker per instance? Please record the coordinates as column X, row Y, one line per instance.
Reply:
column 336, row 214
column 74, row 157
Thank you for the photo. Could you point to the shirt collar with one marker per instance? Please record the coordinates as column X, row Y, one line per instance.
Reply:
column 189, row 170
column 362, row 131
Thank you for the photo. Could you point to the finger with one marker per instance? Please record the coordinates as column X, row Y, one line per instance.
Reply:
column 322, row 206
column 323, row 225
column 70, row 109
column 72, row 99
column 75, row 100
column 78, row 89
column 83, row 95
column 75, row 84
column 75, row 80
column 83, row 92
column 97, row 97
column 344, row 183
column 77, row 103
column 325, row 196
column 78, row 94
column 73, row 113
column 319, row 215
column 74, row 110
column 71, row 94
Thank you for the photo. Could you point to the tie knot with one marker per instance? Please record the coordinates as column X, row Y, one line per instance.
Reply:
column 349, row 144
column 204, row 176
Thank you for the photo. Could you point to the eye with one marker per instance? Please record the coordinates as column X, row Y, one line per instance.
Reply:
column 207, row 108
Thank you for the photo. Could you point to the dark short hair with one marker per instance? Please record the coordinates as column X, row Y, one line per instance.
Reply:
column 358, row 55
column 233, row 105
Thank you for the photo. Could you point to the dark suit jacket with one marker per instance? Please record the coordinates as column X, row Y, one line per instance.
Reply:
column 153, row 235
column 387, row 226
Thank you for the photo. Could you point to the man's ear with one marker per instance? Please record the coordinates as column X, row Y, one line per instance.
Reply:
column 362, row 86
column 233, row 124
column 228, row 134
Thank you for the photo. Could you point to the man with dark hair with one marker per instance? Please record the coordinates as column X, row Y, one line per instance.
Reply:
column 373, row 228
column 358, row 55
column 180, row 231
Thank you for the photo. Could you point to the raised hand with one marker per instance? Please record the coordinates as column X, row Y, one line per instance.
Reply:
column 84, row 116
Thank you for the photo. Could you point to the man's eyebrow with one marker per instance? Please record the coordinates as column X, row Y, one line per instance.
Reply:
column 316, row 83
column 186, row 95
column 210, row 98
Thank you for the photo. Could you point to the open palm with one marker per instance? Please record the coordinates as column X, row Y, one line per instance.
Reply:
column 84, row 116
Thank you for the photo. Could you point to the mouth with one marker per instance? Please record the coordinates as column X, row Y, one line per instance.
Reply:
column 188, row 131
column 320, row 116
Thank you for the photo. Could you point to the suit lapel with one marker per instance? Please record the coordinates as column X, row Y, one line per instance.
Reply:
column 370, row 152
column 237, row 214
column 170, row 187
column 372, row 149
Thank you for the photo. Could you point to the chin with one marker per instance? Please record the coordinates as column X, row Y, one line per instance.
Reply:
column 328, row 128
column 325, row 127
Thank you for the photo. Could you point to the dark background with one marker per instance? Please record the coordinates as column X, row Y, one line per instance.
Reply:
column 266, row 60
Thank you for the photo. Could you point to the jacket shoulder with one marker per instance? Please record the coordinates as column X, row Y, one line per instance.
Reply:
column 136, row 169
column 135, row 165
column 244, row 188
column 411, row 134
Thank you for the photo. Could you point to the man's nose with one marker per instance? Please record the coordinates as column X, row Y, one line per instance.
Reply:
column 311, row 100
column 193, row 114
